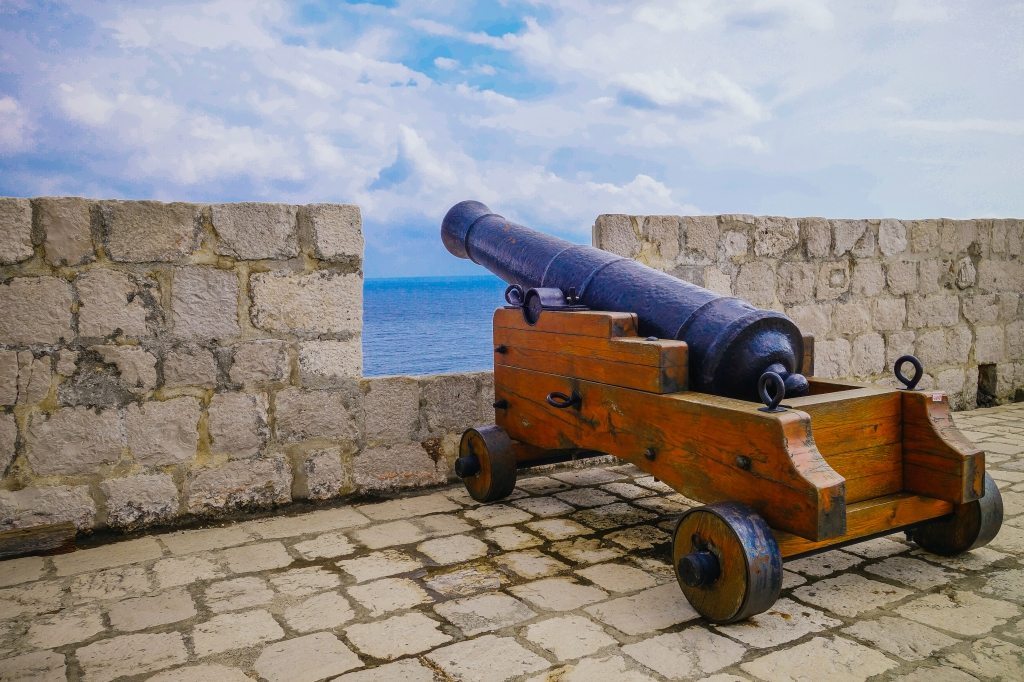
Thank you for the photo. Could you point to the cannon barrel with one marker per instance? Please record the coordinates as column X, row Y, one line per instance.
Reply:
column 731, row 343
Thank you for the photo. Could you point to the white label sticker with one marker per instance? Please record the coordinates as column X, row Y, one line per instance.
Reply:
column 936, row 397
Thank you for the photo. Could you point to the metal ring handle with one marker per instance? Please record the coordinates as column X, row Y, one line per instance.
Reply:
column 514, row 295
column 897, row 369
column 771, row 400
column 562, row 401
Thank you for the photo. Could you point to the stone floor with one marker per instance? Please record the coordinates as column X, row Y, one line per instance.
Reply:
column 566, row 581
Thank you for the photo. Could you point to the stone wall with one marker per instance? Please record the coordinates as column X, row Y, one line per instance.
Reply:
column 948, row 291
column 160, row 362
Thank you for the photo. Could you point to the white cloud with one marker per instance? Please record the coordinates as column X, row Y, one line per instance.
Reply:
column 15, row 128
column 446, row 64
column 919, row 11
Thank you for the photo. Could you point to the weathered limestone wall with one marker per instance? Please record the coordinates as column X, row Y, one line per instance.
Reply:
column 948, row 291
column 166, row 361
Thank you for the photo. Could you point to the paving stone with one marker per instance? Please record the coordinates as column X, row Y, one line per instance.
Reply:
column 644, row 612
column 142, row 613
column 443, row 524
column 185, row 571
column 989, row 658
column 692, row 653
column 1008, row 584
column 315, row 522
column 300, row 582
column 586, row 497
column 849, row 594
column 558, row 594
column 261, row 557
column 31, row 599
column 382, row 535
column 902, row 638
column 390, row 594
column 234, row 631
column 876, row 548
column 509, row 538
column 483, row 613
column 603, row 669
column 466, row 581
column 612, row 516
column 325, row 546
column 558, row 529
column 961, row 612
column 319, row 612
column 617, row 577
column 53, row 630
column 586, row 550
column 530, row 564
column 639, row 538
column 568, row 637
column 21, row 570
column 305, row 659
column 588, row 476
column 493, row 515
column 212, row 672
column 409, row 670
column 237, row 594
column 541, row 485
column 114, row 583
column 912, row 572
column 651, row 483
column 826, row 563
column 819, row 659
column 38, row 666
column 378, row 565
column 543, row 506
column 475, row 659
column 976, row 560
column 666, row 506
column 203, row 540
column 397, row 636
column 407, row 507
column 784, row 622
column 110, row 659
column 791, row 580
column 453, row 549
column 627, row 490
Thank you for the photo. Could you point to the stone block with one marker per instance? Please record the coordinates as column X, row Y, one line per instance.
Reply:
column 66, row 224
column 868, row 279
column 897, row 344
column 449, row 404
column 661, row 237
column 981, row 308
column 73, row 440
column 163, row 432
column 34, row 375
column 832, row 358
column 36, row 310
column 323, row 476
column 888, row 314
column 813, row 319
column 240, row 484
column 615, row 233
column 934, row 275
column 189, row 365
column 238, row 424
column 701, row 235
column 204, row 303
column 867, row 355
column 756, row 283
column 1015, row 340
column 486, row 398
column 775, row 236
column 717, row 280
column 391, row 408
column 850, row 236
column 47, row 505
column 136, row 367
column 892, row 237
column 901, row 276
column 966, row 274
column 8, row 377
column 8, row 440
column 305, row 414
column 735, row 244
column 335, row 231
column 143, row 231
column 137, row 501
column 816, row 236
column 958, row 343
column 851, row 318
column 988, row 344
column 116, row 304
column 252, row 231
column 330, row 364
column 321, row 302
column 924, row 235
column 833, row 280
column 257, row 362
column 394, row 467
column 796, row 282
column 931, row 348
column 937, row 310
column 952, row 382
column 997, row 276
column 15, row 230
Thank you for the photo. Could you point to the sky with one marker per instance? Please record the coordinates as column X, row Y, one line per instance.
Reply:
column 551, row 113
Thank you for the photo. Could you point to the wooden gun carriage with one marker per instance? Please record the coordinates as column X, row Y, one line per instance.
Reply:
column 841, row 463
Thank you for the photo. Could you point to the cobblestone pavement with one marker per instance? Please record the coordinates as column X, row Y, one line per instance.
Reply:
column 566, row 581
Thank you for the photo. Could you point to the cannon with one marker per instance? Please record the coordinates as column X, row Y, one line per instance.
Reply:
column 596, row 354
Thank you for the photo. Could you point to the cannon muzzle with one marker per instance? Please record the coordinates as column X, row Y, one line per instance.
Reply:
column 731, row 343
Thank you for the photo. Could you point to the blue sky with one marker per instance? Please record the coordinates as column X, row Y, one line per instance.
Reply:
column 551, row 113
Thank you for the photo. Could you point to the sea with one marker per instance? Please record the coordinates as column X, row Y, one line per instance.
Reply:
column 429, row 325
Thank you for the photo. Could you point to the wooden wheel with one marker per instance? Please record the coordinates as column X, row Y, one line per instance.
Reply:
column 727, row 562
column 971, row 525
column 486, row 463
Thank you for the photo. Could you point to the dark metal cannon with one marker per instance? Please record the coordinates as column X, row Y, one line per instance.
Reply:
column 731, row 343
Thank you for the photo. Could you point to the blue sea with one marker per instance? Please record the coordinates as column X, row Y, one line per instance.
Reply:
column 428, row 325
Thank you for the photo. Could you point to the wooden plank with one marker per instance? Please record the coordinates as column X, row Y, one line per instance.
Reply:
column 937, row 460
column 629, row 350
column 871, row 472
column 871, row 517
column 601, row 324
column 697, row 440
column 641, row 377
column 19, row 541
column 807, row 365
